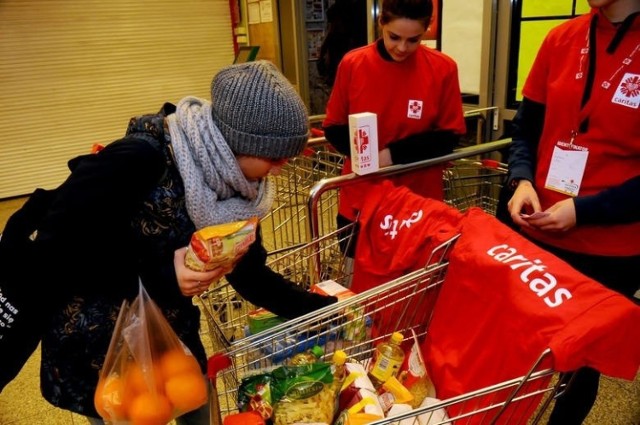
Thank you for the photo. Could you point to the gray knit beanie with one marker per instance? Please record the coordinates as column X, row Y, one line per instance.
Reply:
column 258, row 111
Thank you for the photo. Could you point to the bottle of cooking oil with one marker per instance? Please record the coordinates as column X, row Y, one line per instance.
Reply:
column 310, row 356
column 387, row 359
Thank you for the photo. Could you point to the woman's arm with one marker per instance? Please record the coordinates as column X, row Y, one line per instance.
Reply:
column 263, row 287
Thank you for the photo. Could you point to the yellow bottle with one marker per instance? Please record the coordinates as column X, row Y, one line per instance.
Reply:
column 387, row 359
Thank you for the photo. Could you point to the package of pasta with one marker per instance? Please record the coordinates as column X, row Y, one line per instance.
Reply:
column 220, row 245
column 304, row 394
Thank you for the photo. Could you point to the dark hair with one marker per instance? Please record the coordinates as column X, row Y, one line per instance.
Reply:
column 417, row 10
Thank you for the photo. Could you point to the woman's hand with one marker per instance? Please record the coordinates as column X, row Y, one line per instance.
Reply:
column 561, row 217
column 190, row 281
column 524, row 200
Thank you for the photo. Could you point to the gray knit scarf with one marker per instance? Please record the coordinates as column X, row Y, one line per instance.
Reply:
column 216, row 191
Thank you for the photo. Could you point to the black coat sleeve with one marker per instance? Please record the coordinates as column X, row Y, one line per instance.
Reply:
column 338, row 136
column 526, row 128
column 421, row 146
column 261, row 286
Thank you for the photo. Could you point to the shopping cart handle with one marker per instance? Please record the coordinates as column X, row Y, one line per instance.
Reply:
column 215, row 364
column 491, row 163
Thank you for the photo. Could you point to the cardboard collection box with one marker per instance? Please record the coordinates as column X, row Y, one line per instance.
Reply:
column 363, row 130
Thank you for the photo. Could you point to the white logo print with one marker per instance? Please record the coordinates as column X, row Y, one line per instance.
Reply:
column 414, row 110
column 628, row 91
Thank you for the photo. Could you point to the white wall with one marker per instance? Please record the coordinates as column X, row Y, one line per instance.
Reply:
column 462, row 38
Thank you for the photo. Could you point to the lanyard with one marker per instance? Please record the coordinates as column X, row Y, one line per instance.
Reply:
column 589, row 62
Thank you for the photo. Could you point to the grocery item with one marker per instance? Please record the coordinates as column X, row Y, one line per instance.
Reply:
column 255, row 395
column 438, row 416
column 339, row 372
column 312, row 355
column 220, row 245
column 393, row 392
column 261, row 320
column 355, row 326
column 244, row 418
column 398, row 409
column 387, row 359
column 413, row 374
column 304, row 394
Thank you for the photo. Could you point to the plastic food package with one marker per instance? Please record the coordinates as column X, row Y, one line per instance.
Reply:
column 305, row 394
column 149, row 376
column 413, row 374
column 261, row 319
column 436, row 417
column 220, row 245
column 398, row 409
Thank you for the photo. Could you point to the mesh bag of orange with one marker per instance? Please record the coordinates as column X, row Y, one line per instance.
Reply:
column 149, row 376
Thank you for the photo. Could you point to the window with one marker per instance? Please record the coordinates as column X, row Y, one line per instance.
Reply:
column 531, row 21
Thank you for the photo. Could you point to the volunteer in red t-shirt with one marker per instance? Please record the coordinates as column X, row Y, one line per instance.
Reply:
column 414, row 91
column 575, row 158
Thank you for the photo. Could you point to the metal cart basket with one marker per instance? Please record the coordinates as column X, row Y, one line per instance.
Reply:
column 304, row 240
column 356, row 325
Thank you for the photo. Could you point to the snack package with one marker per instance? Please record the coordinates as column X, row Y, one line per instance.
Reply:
column 413, row 374
column 261, row 319
column 355, row 328
column 148, row 375
column 304, row 394
column 437, row 416
column 220, row 245
column 255, row 395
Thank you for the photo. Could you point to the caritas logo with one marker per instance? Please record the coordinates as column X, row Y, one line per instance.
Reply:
column 361, row 139
column 532, row 273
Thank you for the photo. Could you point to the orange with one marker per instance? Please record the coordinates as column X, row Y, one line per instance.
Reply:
column 176, row 362
column 136, row 382
column 186, row 391
column 109, row 398
column 149, row 409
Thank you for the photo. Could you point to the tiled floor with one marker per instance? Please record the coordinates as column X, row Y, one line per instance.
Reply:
column 21, row 403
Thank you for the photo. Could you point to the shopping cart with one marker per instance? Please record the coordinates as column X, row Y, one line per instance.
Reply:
column 287, row 240
column 306, row 243
column 287, row 222
column 356, row 325
column 474, row 183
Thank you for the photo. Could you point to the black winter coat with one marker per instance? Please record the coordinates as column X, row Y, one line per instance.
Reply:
column 118, row 218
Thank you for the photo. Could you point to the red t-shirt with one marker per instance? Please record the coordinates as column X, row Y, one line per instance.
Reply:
column 398, row 232
column 365, row 82
column 504, row 301
column 613, row 136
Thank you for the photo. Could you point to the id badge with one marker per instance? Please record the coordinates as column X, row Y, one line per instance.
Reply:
column 567, row 167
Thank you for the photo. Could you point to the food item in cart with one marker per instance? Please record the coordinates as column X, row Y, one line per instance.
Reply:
column 261, row 319
column 358, row 402
column 255, row 395
column 413, row 374
column 244, row 418
column 393, row 392
column 304, row 394
column 355, row 325
column 387, row 359
column 220, row 245
column 312, row 355
column 398, row 409
column 364, row 405
column 437, row 416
